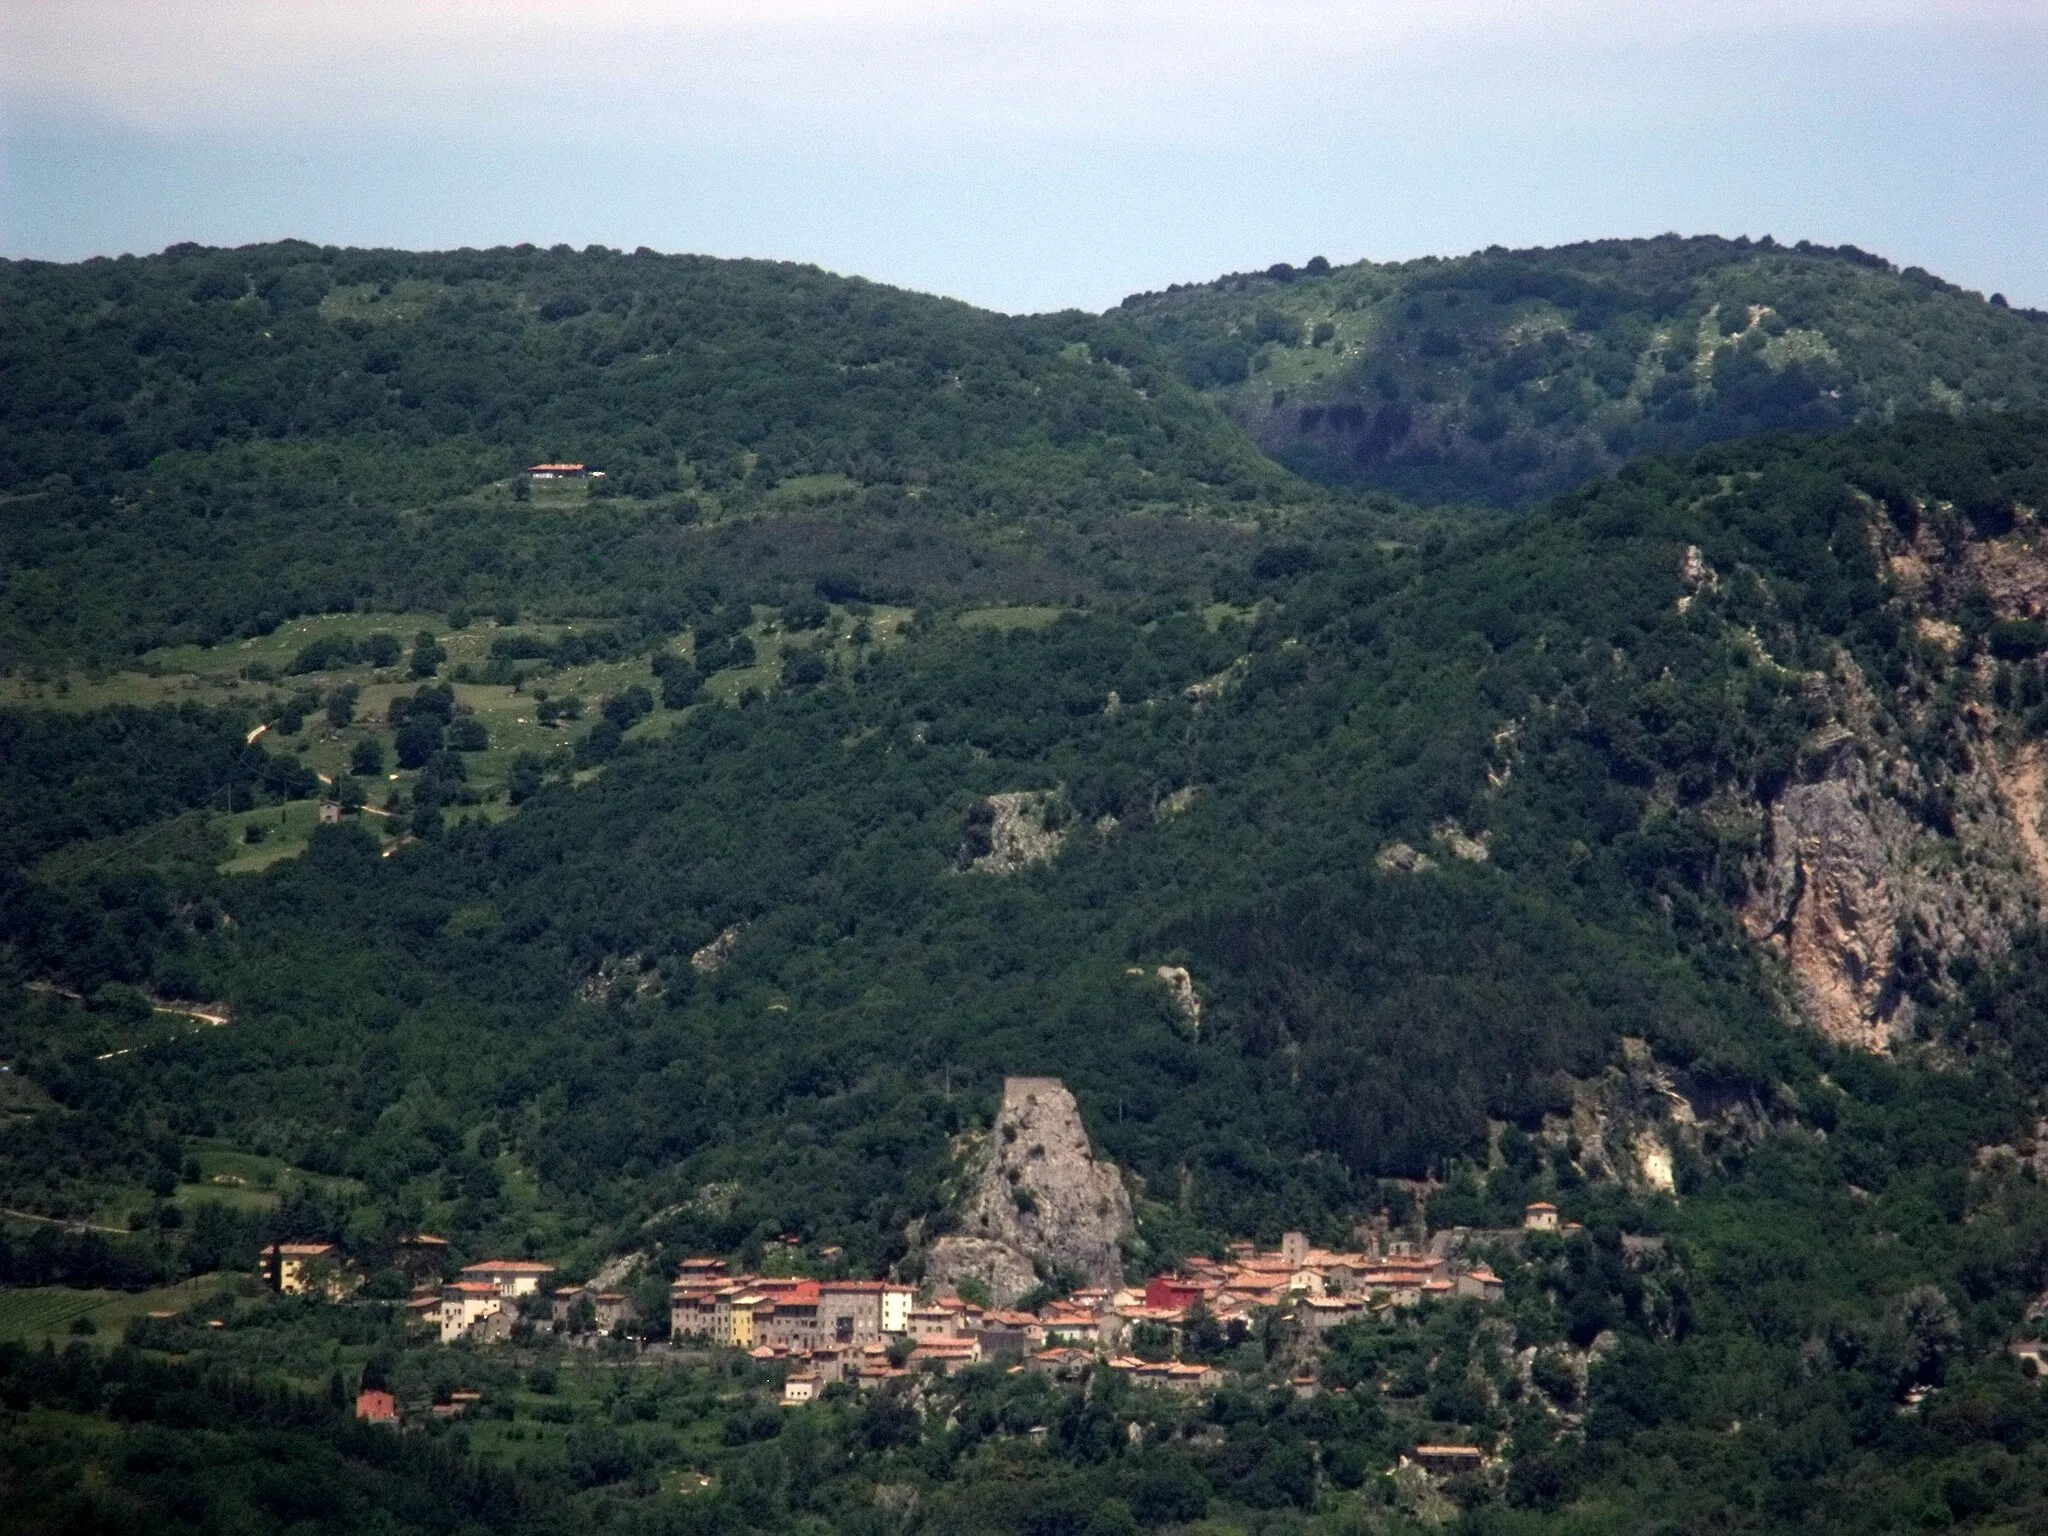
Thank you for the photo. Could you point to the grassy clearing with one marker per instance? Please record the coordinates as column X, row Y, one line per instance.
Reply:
column 48, row 1312
column 253, row 675
column 286, row 829
column 1018, row 617
column 388, row 303
column 241, row 1181
column 44, row 1310
column 560, row 495
column 800, row 488
column 187, row 1196
column 218, row 1161
column 21, row 1099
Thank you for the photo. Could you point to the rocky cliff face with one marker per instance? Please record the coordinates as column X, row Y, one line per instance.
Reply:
column 1633, row 1123
column 1037, row 1200
column 1913, row 834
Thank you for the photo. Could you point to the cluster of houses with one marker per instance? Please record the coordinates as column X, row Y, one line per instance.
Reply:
column 870, row 1331
column 1325, row 1289
column 866, row 1332
column 482, row 1302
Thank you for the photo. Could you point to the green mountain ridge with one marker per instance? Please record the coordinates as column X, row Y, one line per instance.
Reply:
column 1504, row 376
column 1661, row 851
column 201, row 444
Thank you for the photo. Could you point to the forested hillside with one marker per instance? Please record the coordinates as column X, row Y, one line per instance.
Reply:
column 1504, row 376
column 200, row 444
column 678, row 865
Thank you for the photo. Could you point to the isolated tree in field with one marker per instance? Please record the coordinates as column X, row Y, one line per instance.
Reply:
column 427, row 654
column 525, row 778
column 418, row 739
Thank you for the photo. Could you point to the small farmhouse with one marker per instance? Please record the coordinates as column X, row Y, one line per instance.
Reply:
column 299, row 1269
column 374, row 1407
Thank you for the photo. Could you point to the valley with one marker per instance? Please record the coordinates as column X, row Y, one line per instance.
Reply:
column 983, row 807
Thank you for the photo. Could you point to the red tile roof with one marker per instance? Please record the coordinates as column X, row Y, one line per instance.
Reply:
column 510, row 1267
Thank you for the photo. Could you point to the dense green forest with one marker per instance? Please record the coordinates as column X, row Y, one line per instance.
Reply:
column 1504, row 376
column 1454, row 820
column 201, row 444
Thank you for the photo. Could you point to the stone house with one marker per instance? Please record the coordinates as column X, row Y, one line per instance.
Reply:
column 1319, row 1314
column 850, row 1311
column 791, row 1317
column 946, row 1355
column 798, row 1388
column 466, row 1303
column 1481, row 1283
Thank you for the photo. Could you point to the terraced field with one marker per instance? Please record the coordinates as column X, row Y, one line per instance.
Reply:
column 36, row 1313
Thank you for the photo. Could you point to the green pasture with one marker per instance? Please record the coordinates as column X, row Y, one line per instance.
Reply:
column 276, row 649
column 387, row 303
column 1017, row 616
column 244, row 1181
column 286, row 831
column 37, row 1313
column 217, row 1158
column 217, row 677
column 241, row 1181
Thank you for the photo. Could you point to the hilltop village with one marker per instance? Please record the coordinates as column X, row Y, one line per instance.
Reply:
column 869, row 1332
column 1036, row 1201
column 865, row 1333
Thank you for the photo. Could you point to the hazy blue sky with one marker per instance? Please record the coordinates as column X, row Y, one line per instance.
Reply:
column 1031, row 153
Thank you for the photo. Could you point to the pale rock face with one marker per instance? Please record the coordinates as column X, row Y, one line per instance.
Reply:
column 1181, row 987
column 1399, row 858
column 2014, row 570
column 1854, row 887
column 1836, row 913
column 1013, row 831
column 1696, row 576
column 1006, row 1272
column 1040, row 1194
column 1653, row 1159
column 716, row 953
column 1472, row 850
column 1630, row 1123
